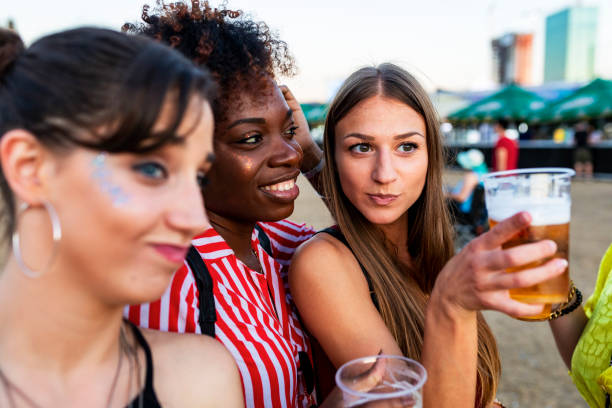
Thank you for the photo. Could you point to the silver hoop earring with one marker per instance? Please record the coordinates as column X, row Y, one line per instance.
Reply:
column 57, row 236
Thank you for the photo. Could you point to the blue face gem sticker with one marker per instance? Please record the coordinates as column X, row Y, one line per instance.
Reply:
column 102, row 176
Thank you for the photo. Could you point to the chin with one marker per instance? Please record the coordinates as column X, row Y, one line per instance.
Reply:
column 150, row 294
column 148, row 288
column 278, row 214
column 380, row 218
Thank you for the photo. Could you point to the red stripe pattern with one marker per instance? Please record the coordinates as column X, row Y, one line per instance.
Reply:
column 256, row 318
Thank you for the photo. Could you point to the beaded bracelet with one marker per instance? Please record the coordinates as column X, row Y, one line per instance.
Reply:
column 574, row 300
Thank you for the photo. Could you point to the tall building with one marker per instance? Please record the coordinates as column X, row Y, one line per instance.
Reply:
column 512, row 58
column 570, row 45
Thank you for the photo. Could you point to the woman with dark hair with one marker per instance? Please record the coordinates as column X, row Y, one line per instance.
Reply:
column 93, row 160
column 261, row 143
column 384, row 277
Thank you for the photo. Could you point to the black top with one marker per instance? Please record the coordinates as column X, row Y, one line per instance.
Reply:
column 147, row 398
column 334, row 231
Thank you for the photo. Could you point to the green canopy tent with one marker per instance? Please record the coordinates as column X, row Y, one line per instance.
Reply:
column 511, row 103
column 593, row 100
column 315, row 113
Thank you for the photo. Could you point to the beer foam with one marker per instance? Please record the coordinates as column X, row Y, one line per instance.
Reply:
column 542, row 211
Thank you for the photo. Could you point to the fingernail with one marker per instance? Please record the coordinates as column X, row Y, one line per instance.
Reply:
column 562, row 264
column 552, row 246
column 525, row 217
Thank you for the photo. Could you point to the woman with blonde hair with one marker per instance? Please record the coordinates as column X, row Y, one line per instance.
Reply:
column 385, row 276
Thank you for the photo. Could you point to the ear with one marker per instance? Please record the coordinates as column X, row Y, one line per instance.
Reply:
column 22, row 158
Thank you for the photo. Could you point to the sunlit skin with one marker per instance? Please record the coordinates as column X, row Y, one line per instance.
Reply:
column 381, row 156
column 257, row 160
column 63, row 347
column 146, row 237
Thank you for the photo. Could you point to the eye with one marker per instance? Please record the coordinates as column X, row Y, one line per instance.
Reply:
column 202, row 180
column 407, row 147
column 151, row 170
column 360, row 148
column 251, row 139
column 292, row 131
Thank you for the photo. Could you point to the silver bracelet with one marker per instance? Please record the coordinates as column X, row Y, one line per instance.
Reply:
column 315, row 170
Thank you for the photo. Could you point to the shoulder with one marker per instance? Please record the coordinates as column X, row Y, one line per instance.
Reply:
column 193, row 370
column 286, row 229
column 507, row 142
column 326, row 264
column 287, row 223
column 471, row 178
column 332, row 295
column 323, row 244
column 285, row 236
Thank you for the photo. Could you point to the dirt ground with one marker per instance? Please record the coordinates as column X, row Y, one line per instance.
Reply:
column 533, row 373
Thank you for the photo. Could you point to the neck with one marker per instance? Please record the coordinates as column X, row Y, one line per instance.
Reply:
column 49, row 324
column 237, row 234
column 396, row 235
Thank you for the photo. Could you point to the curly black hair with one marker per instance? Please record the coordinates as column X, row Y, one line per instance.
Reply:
column 242, row 55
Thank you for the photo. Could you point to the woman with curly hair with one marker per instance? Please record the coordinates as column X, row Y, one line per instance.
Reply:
column 261, row 143
column 92, row 159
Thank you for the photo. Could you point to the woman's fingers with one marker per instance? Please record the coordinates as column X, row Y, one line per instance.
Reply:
column 303, row 133
column 503, row 231
column 525, row 278
column 519, row 255
column 289, row 98
column 514, row 308
column 370, row 378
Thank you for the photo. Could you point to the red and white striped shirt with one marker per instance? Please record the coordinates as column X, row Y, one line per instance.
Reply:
column 264, row 346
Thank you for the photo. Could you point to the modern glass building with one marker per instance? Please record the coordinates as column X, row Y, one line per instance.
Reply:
column 570, row 45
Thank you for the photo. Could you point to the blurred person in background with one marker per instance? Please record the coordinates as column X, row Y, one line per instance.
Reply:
column 261, row 143
column 384, row 279
column 583, row 158
column 506, row 151
column 462, row 194
column 93, row 158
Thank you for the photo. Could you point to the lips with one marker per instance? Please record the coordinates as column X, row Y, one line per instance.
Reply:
column 284, row 190
column 383, row 199
column 172, row 253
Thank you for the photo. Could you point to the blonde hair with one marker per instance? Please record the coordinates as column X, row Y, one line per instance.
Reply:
column 402, row 293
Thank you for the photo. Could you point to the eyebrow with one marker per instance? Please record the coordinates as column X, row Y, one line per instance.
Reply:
column 371, row 138
column 258, row 121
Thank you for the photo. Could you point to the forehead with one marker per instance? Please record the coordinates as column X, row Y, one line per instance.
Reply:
column 267, row 103
column 380, row 116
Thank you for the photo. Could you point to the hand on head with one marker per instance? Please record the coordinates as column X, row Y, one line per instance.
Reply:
column 302, row 134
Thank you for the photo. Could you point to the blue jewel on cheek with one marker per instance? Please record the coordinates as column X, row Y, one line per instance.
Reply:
column 101, row 175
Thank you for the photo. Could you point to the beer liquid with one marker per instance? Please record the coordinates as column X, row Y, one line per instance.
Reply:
column 554, row 290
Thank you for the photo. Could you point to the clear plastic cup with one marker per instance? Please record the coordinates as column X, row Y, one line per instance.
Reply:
column 382, row 381
column 545, row 194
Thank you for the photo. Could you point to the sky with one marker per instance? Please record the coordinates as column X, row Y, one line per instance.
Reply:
column 445, row 43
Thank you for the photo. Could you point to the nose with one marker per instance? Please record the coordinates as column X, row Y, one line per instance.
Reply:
column 384, row 171
column 187, row 214
column 286, row 153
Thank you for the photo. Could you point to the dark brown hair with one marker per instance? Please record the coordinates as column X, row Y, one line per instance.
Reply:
column 242, row 55
column 93, row 88
column 402, row 293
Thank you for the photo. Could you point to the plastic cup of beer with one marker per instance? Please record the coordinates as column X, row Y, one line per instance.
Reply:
column 545, row 194
column 382, row 381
